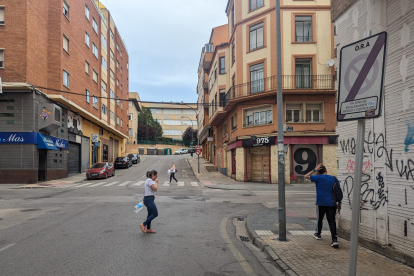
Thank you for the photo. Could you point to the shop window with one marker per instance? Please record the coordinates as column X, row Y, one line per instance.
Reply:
column 294, row 112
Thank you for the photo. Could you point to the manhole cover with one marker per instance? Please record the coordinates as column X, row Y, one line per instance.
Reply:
column 243, row 238
column 30, row 210
column 240, row 219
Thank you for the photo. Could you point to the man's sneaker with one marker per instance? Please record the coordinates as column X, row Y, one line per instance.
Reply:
column 316, row 236
column 335, row 243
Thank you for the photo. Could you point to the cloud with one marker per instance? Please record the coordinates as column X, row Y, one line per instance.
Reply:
column 164, row 40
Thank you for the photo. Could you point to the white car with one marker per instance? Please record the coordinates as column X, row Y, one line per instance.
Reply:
column 181, row 151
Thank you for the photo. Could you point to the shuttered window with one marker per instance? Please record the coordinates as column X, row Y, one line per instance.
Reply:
column 294, row 112
column 313, row 112
column 1, row 15
column 65, row 43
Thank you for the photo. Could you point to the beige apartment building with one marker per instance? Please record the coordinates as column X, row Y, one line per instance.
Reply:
column 237, row 86
column 174, row 118
column 134, row 107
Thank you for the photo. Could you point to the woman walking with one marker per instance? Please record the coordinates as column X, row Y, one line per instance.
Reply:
column 173, row 171
column 151, row 186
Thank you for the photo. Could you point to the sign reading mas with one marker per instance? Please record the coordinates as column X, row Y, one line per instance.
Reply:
column 32, row 138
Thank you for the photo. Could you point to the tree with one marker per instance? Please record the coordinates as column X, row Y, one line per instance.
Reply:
column 190, row 134
column 146, row 132
column 148, row 127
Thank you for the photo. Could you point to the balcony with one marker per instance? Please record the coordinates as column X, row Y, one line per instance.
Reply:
column 290, row 84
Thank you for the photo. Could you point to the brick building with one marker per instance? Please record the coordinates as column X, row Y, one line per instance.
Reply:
column 237, row 90
column 71, row 53
column 387, row 192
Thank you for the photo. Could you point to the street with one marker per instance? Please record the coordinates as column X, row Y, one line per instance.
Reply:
column 91, row 229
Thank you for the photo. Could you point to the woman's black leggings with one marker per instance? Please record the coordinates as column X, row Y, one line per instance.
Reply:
column 172, row 176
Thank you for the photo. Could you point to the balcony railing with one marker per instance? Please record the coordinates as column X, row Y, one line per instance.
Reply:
column 258, row 123
column 289, row 82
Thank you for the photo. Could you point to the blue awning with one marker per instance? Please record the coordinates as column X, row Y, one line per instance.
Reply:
column 44, row 141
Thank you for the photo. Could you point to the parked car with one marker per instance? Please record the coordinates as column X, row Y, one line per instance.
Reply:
column 191, row 150
column 135, row 158
column 123, row 162
column 100, row 170
column 181, row 151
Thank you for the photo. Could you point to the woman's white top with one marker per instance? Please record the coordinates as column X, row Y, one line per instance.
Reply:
column 148, row 183
column 173, row 169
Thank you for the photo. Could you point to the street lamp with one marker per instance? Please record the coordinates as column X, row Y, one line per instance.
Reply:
column 192, row 128
column 198, row 132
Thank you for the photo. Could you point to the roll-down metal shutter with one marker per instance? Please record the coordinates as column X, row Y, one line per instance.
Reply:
column 74, row 159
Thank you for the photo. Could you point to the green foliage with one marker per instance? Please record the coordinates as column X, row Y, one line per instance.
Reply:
column 150, row 127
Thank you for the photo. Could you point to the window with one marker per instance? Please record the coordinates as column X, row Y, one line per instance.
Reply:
column 121, row 71
column 314, row 112
column 117, row 101
column 1, row 15
column 156, row 110
column 130, row 132
column 127, row 65
column 255, row 4
column 121, row 53
column 117, row 82
column 208, row 48
column 187, row 123
column 256, row 36
column 87, row 39
column 103, row 40
column 117, row 64
column 130, row 104
column 65, row 43
column 87, row 11
column 172, row 122
column 95, row 76
column 104, row 64
column 57, row 114
column 232, row 17
column 234, row 121
column 257, row 78
column 122, row 87
column 65, row 78
column 117, row 46
column 112, row 35
column 104, row 109
column 111, row 55
column 94, row 25
column 303, row 67
column 95, row 102
column 130, row 116
column 215, row 101
column 294, row 112
column 103, row 85
column 172, row 111
column 122, row 106
column 117, row 120
column 258, row 116
column 86, row 67
column 172, row 132
column 66, row 9
column 303, row 28
column 222, row 97
column 95, row 50
column 87, row 95
column 112, row 114
column 222, row 65
column 1, row 58
column 121, row 123
column 188, row 111
column 233, row 53
column 112, row 95
column 111, row 74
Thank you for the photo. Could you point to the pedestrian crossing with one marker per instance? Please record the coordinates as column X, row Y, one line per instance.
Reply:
column 97, row 184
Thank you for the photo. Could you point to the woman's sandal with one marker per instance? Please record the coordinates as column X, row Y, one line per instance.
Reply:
column 142, row 228
column 151, row 231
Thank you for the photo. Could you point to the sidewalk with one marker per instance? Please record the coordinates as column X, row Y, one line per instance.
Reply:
column 55, row 183
column 304, row 255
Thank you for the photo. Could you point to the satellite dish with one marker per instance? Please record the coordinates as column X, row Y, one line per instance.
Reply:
column 330, row 63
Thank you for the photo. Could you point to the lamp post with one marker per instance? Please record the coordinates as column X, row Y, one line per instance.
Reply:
column 192, row 128
column 198, row 132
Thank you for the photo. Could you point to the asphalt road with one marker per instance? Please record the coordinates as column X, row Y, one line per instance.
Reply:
column 91, row 229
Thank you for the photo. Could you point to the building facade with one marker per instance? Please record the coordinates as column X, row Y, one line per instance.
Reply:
column 241, row 80
column 387, row 194
column 78, row 61
column 134, row 107
column 174, row 118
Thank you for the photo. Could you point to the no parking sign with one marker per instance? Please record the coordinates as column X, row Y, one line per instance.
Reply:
column 361, row 76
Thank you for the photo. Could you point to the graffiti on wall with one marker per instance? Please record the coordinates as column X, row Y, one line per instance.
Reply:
column 409, row 139
column 366, row 166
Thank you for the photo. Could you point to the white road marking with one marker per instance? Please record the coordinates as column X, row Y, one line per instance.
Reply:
column 8, row 246
column 83, row 185
column 124, row 184
column 302, row 233
column 180, row 183
column 110, row 184
column 67, row 186
column 194, row 184
column 139, row 183
column 97, row 184
column 166, row 183
column 264, row 233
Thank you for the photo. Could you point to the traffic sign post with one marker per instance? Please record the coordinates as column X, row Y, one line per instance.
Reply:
column 361, row 78
column 198, row 150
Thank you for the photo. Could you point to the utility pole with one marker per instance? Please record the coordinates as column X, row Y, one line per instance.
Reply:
column 280, row 144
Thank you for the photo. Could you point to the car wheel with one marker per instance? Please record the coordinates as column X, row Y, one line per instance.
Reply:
column 113, row 173
column 106, row 175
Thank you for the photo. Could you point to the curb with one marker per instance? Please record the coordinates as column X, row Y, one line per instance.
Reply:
column 196, row 174
column 267, row 249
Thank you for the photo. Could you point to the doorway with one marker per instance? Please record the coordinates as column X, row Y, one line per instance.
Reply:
column 42, row 165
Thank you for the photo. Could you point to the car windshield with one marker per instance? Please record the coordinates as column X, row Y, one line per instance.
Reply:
column 131, row 156
column 98, row 165
column 120, row 159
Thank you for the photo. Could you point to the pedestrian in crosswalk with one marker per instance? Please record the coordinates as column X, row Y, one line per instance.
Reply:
column 173, row 170
column 151, row 186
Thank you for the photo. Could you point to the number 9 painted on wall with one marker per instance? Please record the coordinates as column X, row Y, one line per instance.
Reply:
column 305, row 160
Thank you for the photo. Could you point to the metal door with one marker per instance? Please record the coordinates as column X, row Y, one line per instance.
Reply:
column 74, row 159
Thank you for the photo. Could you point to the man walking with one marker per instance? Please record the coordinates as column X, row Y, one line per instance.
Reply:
column 325, row 203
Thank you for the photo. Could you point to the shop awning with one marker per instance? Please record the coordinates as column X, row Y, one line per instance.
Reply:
column 44, row 141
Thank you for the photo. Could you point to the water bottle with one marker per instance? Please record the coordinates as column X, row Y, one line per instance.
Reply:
column 139, row 207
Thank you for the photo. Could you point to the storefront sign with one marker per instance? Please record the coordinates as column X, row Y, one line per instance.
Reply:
column 60, row 143
column 18, row 137
column 44, row 141
column 95, row 138
column 259, row 141
column 210, row 139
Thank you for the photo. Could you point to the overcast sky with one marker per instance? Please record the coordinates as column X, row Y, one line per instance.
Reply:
column 164, row 40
